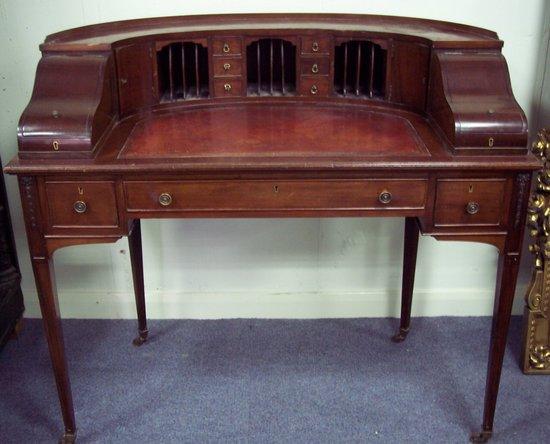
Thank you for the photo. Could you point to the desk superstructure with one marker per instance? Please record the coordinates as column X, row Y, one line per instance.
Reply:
column 273, row 116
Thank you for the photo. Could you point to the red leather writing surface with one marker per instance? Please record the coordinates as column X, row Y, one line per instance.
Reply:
column 272, row 130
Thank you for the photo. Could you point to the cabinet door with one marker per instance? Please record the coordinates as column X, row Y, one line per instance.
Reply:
column 409, row 76
column 136, row 88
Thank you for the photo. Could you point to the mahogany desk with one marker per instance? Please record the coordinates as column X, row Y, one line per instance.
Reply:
column 273, row 116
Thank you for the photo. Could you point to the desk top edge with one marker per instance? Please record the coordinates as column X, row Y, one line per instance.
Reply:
column 102, row 36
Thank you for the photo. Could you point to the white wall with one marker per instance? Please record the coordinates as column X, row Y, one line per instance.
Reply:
column 272, row 267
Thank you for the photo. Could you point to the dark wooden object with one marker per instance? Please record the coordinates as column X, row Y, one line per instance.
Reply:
column 11, row 298
column 270, row 115
column 136, row 256
column 409, row 267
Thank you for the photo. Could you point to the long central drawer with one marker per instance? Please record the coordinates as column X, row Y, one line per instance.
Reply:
column 254, row 195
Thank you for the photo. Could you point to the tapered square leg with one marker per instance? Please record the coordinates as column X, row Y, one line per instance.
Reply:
column 49, row 306
column 136, row 257
column 508, row 267
column 409, row 266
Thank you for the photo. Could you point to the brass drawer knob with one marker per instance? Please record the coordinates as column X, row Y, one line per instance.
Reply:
column 472, row 208
column 315, row 46
column 226, row 48
column 227, row 87
column 315, row 68
column 165, row 199
column 227, row 66
column 385, row 197
column 314, row 89
column 80, row 206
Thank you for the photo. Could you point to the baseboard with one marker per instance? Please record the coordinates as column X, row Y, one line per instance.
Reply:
column 180, row 305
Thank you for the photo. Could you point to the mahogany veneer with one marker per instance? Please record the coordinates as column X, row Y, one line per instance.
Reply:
column 294, row 131
column 272, row 115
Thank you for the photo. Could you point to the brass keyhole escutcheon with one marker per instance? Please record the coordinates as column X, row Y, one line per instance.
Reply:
column 385, row 197
column 227, row 87
column 276, row 188
column 165, row 199
column 471, row 189
column 314, row 89
column 472, row 208
column 315, row 68
column 491, row 142
column 226, row 48
column 227, row 66
column 80, row 207
column 55, row 145
column 315, row 46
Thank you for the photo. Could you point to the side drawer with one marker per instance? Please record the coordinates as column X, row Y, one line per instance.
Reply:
column 224, row 67
column 265, row 195
column 316, row 45
column 228, row 87
column 226, row 46
column 315, row 66
column 314, row 86
column 86, row 204
column 470, row 202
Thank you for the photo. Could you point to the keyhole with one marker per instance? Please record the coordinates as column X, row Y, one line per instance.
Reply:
column 471, row 189
column 276, row 188
column 80, row 191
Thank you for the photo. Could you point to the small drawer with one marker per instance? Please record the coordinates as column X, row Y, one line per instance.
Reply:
column 314, row 86
column 270, row 195
column 315, row 66
column 315, row 45
column 229, row 87
column 227, row 67
column 226, row 46
column 466, row 202
column 86, row 204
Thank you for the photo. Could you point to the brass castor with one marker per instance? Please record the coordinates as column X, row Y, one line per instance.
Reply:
column 141, row 338
column 483, row 436
column 68, row 438
column 401, row 335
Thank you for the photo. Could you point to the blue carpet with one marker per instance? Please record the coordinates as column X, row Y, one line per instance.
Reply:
column 262, row 381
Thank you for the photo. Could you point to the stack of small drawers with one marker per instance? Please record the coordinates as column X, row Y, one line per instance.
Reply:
column 227, row 63
column 314, row 66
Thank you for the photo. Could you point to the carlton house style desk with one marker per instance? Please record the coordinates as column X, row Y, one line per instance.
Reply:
column 302, row 115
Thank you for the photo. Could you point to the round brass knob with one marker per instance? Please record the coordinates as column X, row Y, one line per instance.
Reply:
column 80, row 207
column 165, row 199
column 472, row 208
column 314, row 89
column 315, row 46
column 227, row 66
column 227, row 87
column 385, row 197
column 315, row 68
column 226, row 48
